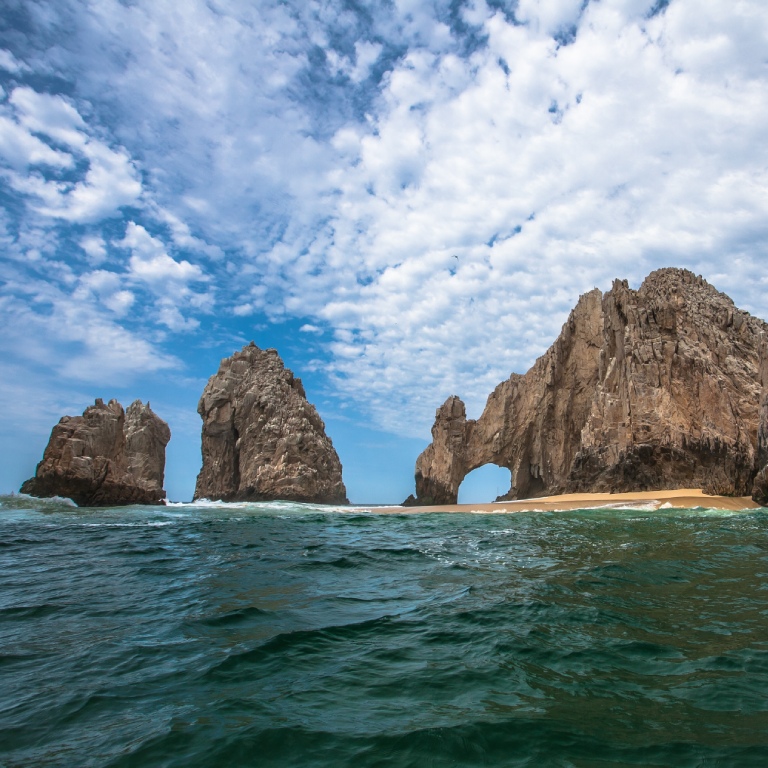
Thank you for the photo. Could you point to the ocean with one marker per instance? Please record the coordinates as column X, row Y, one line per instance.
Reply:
column 290, row 635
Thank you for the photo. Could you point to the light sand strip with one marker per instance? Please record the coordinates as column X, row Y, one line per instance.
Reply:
column 682, row 498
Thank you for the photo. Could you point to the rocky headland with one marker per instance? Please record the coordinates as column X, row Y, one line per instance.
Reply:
column 106, row 457
column 662, row 387
column 261, row 439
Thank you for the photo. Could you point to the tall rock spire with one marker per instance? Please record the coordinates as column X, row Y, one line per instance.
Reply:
column 262, row 440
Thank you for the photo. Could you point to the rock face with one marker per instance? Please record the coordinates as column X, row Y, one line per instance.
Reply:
column 760, row 487
column 262, row 440
column 106, row 457
column 658, row 388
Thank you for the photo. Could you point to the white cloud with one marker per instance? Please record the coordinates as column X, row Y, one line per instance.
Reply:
column 110, row 180
column 163, row 269
column 485, row 202
column 33, row 131
column 110, row 183
column 95, row 248
column 170, row 316
column 68, row 334
column 108, row 288
column 10, row 63
column 359, row 66
column 49, row 115
column 20, row 149
column 120, row 302
column 151, row 264
column 549, row 16
column 441, row 226
column 243, row 310
column 183, row 237
column 101, row 281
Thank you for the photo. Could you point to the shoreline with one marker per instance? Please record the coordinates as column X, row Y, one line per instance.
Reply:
column 681, row 498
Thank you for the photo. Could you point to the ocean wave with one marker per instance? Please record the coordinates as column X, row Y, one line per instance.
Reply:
column 268, row 506
column 422, row 640
column 25, row 501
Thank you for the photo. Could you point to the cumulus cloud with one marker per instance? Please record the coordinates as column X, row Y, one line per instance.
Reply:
column 20, row 149
column 169, row 279
column 95, row 248
column 150, row 263
column 108, row 288
column 49, row 115
column 40, row 132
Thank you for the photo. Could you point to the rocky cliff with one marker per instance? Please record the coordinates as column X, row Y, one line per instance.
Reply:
column 262, row 440
column 760, row 487
column 654, row 388
column 106, row 457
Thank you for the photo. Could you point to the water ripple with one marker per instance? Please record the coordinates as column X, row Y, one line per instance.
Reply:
column 279, row 635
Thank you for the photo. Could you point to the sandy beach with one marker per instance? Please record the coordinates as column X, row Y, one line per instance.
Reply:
column 682, row 498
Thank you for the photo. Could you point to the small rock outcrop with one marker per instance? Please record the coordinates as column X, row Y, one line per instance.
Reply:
column 262, row 440
column 106, row 457
column 658, row 388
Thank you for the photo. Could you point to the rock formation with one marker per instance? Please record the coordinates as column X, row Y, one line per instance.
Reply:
column 760, row 487
column 658, row 388
column 106, row 457
column 262, row 440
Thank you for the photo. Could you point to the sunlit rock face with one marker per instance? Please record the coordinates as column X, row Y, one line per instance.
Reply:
column 261, row 439
column 658, row 388
column 106, row 457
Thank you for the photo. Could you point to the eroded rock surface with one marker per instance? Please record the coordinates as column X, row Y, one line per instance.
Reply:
column 106, row 457
column 760, row 486
column 658, row 388
column 262, row 440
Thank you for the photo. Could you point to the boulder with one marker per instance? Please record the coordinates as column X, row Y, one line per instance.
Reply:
column 658, row 388
column 105, row 458
column 261, row 439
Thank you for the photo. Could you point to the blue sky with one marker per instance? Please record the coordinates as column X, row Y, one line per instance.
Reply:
column 404, row 198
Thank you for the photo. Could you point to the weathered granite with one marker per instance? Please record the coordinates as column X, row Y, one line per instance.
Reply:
column 657, row 388
column 760, row 486
column 104, row 458
column 262, row 440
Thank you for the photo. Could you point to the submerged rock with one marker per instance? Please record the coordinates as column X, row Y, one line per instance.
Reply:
column 262, row 440
column 658, row 388
column 106, row 457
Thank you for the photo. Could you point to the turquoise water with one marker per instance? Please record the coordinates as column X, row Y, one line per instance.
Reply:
column 280, row 635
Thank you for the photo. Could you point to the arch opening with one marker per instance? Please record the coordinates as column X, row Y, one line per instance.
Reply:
column 485, row 484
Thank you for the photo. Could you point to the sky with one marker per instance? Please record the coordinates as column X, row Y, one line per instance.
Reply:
column 404, row 197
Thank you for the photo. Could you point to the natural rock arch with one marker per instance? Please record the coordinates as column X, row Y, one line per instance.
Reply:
column 654, row 388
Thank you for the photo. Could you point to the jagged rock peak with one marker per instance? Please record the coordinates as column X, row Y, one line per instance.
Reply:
column 106, row 457
column 655, row 388
column 262, row 440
